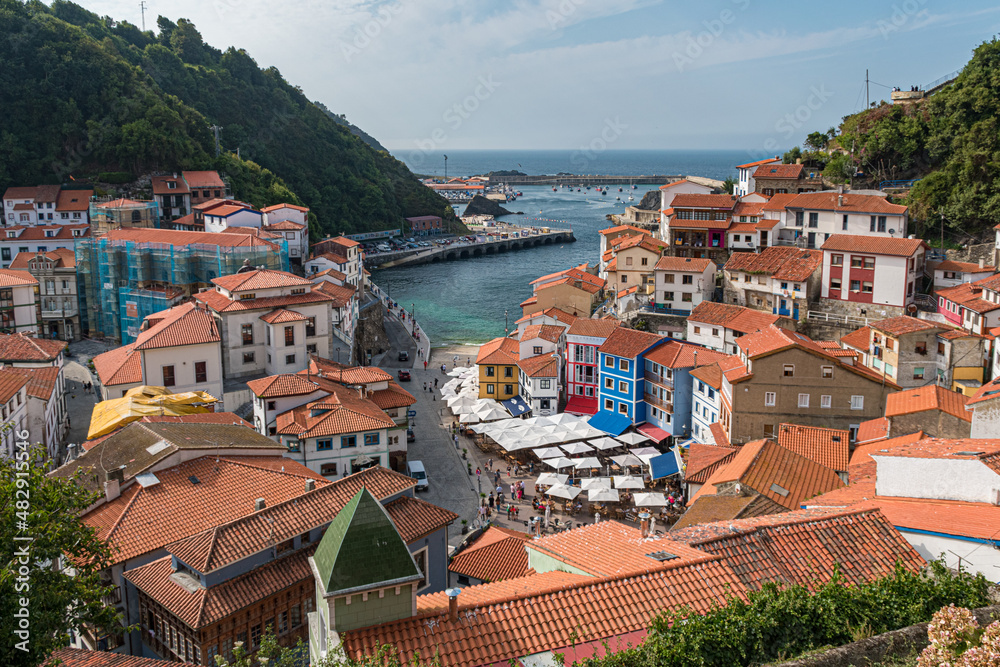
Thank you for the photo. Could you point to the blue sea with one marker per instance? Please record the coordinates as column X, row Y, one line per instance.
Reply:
column 468, row 301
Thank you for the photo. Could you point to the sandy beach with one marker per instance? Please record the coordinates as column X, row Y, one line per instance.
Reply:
column 466, row 354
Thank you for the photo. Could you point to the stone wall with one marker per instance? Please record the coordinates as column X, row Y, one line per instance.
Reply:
column 872, row 311
column 972, row 253
column 369, row 334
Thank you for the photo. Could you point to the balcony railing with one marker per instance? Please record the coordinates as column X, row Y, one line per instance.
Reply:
column 64, row 312
column 114, row 598
column 658, row 402
column 661, row 380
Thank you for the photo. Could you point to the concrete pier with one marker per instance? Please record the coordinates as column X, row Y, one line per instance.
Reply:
column 491, row 246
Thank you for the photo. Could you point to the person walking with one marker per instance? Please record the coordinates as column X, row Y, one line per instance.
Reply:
column 491, row 499
column 425, row 364
column 435, row 383
column 478, row 472
column 425, row 386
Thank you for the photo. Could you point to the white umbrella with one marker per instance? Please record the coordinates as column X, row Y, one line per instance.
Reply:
column 646, row 451
column 493, row 414
column 577, row 448
column 604, row 443
column 486, row 404
column 557, row 463
column 627, row 460
column 548, row 452
column 480, row 428
column 629, row 482
column 632, row 438
column 595, row 483
column 461, row 399
column 586, row 462
column 563, row 491
column 469, row 418
column 650, row 500
column 602, row 495
column 564, row 418
column 551, row 479
column 456, row 373
column 587, row 431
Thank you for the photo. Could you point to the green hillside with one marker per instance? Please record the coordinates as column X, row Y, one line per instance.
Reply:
column 85, row 94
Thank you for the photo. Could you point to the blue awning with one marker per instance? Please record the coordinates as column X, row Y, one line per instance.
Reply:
column 664, row 465
column 516, row 406
column 611, row 423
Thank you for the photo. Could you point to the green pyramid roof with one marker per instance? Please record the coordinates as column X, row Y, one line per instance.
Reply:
column 362, row 549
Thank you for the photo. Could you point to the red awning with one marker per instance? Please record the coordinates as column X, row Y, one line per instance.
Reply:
column 581, row 405
column 657, row 434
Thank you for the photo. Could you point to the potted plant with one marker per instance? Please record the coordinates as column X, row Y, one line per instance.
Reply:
column 465, row 453
column 465, row 526
column 469, row 466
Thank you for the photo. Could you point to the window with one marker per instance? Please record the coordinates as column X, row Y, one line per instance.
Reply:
column 857, row 402
column 296, row 616
column 537, row 349
column 372, row 438
column 855, row 285
column 918, row 373
column 271, row 405
column 843, row 224
column 508, row 371
column 697, row 330
column 508, row 389
column 768, row 430
column 324, row 444
column 289, row 359
column 348, row 441
column 825, row 401
column 687, row 297
column 623, row 387
column 856, row 262
column 247, row 331
column 200, row 371
column 940, row 348
column 814, row 220
column 645, row 261
column 869, row 262
column 609, row 362
column 623, row 365
column 624, row 278
column 289, row 336
column 827, row 371
column 490, row 371
column 623, row 408
column 545, row 384
column 609, row 404
column 803, row 400
column 835, row 283
column 168, row 376
column 609, row 383
column 311, row 326
column 255, row 636
column 687, row 280
column 248, row 357
column 311, row 348
column 668, row 296
column 420, row 558
column 866, row 287
column 491, row 389
column 789, row 370
column 799, row 218
column 769, row 398
column 668, row 278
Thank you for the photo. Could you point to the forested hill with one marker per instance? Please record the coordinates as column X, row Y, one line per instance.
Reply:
column 85, row 94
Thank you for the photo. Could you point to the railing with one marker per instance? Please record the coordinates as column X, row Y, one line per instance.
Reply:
column 65, row 312
column 897, row 184
column 817, row 316
column 114, row 598
column 659, row 379
column 653, row 400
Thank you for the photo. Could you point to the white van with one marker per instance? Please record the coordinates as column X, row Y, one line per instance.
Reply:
column 415, row 469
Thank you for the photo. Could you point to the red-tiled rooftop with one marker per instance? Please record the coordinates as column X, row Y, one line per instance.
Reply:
column 584, row 326
column 703, row 460
column 74, row 657
column 781, row 262
column 963, row 267
column 628, row 343
column 688, row 200
column 775, row 170
column 846, row 202
column 260, row 279
column 921, row 399
column 502, row 351
column 41, row 381
column 174, row 237
column 683, row 264
column 828, row 447
column 186, row 324
column 899, row 326
column 19, row 347
column 497, row 554
column 873, row 245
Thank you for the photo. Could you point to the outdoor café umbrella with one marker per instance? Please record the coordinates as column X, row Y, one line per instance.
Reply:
column 557, row 463
column 563, row 418
column 586, row 462
column 494, row 414
column 457, row 372
column 627, row 460
column 469, row 418
column 551, row 479
column 563, row 491
column 632, row 438
column 629, row 482
column 646, row 451
column 577, row 448
column 548, row 452
column 604, row 443
column 602, row 495
column 650, row 500
column 595, row 483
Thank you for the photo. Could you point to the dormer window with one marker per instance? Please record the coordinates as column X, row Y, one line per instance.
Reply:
column 299, row 290
column 171, row 185
column 247, row 295
column 12, row 235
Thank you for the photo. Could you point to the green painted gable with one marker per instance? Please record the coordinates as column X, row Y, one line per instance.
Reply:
column 362, row 549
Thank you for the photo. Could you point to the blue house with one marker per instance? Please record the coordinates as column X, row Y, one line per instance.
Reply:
column 669, row 386
column 621, row 372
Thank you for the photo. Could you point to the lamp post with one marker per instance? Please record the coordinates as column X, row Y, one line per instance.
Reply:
column 338, row 355
column 413, row 320
column 445, row 167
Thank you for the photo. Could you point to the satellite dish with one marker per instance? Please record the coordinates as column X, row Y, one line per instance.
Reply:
column 891, row 232
column 912, row 308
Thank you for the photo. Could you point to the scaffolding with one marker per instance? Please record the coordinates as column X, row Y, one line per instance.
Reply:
column 120, row 282
column 107, row 214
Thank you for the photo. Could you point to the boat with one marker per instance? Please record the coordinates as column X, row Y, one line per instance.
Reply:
column 553, row 189
column 619, row 189
column 631, row 198
column 604, row 192
column 618, row 198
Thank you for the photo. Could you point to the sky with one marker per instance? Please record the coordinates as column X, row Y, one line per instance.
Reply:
column 567, row 74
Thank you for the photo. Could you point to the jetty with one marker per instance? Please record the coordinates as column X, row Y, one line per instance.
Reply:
column 581, row 179
column 490, row 245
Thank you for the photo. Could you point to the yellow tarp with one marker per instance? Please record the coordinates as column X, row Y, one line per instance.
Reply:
column 138, row 402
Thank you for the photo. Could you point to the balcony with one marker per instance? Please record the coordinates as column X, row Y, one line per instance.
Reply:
column 65, row 312
column 658, row 402
column 661, row 380
column 114, row 598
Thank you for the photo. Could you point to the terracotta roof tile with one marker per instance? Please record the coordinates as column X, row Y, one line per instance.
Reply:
column 988, row 391
column 775, row 170
column 968, row 295
column 863, row 451
column 703, row 460
column 16, row 348
column 497, row 554
column 963, row 267
column 203, row 179
column 340, row 412
column 173, row 237
column 621, row 228
column 11, row 382
column 859, row 339
column 285, row 226
column 969, row 449
column 74, row 200
column 186, row 324
column 348, row 375
column 871, row 430
column 898, row 326
column 683, row 264
column 64, row 258
column 742, row 227
column 723, row 314
column 276, row 207
column 554, row 313
column 287, row 384
column 392, row 397
column 780, row 262
column 221, row 304
column 708, row 509
column 540, row 366
column 677, row 354
column 503, row 351
column 686, row 200
column 259, row 279
column 977, row 521
column 549, row 332
column 74, row 657
column 873, row 245
column 41, row 381
column 921, row 399
column 16, row 278
column 757, row 163
column 629, row 343
column 828, row 447
column 415, row 518
column 122, row 365
column 282, row 316
column 850, row 203
column 720, row 436
column 590, row 328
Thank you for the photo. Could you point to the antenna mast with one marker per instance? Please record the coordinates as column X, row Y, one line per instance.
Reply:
column 868, row 101
column 142, row 8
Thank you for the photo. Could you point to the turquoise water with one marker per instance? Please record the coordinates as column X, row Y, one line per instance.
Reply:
column 463, row 301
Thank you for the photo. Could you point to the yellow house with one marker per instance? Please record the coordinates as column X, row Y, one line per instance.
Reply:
column 498, row 371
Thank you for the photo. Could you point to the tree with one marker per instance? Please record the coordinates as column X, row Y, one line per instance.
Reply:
column 52, row 560
column 792, row 156
column 729, row 185
column 816, row 141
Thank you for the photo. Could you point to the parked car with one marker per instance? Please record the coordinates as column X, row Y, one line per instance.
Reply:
column 415, row 469
column 404, row 355
column 404, row 375
column 410, row 435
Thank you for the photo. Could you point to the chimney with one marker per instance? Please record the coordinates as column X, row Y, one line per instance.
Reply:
column 310, row 485
column 361, row 391
column 112, row 489
column 453, row 603
column 840, row 189
column 644, row 526
column 840, row 200
column 982, row 263
column 259, row 504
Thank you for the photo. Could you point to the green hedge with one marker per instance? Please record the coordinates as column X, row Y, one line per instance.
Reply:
column 781, row 623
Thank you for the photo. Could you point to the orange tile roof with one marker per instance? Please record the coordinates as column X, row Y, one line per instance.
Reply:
column 74, row 200
column 586, row 286
column 873, row 245
column 531, row 583
column 286, row 384
column 19, row 347
column 348, row 375
column 847, row 202
column 415, row 518
column 871, row 430
column 629, row 290
column 203, row 179
column 540, row 366
column 285, row 226
column 859, row 339
column 677, row 354
column 549, row 332
column 503, row 351
column 554, row 313
column 767, row 223
column 772, row 339
column 708, row 509
column 861, row 456
column 119, row 366
column 340, row 412
column 74, row 657
column 899, row 326
column 61, row 258
column 968, row 295
column 781, row 262
column 11, row 383
column 686, row 200
column 144, row 519
column 774, row 170
column 828, row 447
column 173, row 237
column 629, row 343
column 988, row 391
column 392, row 397
column 341, row 295
column 269, row 209
column 63, row 233
column 742, row 227
column 15, row 278
column 683, row 180
column 978, row 521
column 963, row 267
column 259, row 279
column 590, row 328
column 695, row 265
column 969, row 449
column 221, row 304
column 719, row 435
column 282, row 316
column 724, row 314
column 641, row 241
column 933, row 397
column 228, row 542
column 779, row 474
column 703, row 460
column 530, row 300
column 621, row 228
column 759, row 162
column 41, row 381
column 497, row 554
column 186, row 324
